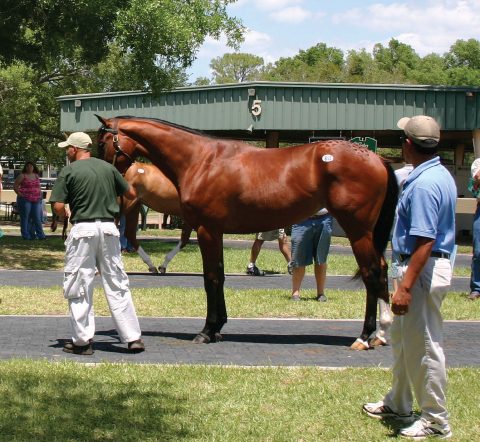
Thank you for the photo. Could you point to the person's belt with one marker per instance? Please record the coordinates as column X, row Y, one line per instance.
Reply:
column 103, row 220
column 404, row 256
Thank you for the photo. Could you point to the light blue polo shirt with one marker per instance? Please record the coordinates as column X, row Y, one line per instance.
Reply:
column 426, row 208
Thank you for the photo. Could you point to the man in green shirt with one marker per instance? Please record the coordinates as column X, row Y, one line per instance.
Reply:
column 90, row 187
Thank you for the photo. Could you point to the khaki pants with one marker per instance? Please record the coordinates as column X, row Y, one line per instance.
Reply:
column 417, row 339
column 92, row 246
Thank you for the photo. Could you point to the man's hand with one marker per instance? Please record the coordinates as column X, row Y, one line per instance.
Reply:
column 401, row 300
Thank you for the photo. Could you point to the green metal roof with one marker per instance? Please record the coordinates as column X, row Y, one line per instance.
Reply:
column 286, row 107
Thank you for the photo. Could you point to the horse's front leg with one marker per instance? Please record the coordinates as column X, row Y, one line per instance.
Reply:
column 374, row 275
column 211, row 247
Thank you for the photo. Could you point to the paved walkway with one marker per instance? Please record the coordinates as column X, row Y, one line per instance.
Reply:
column 249, row 342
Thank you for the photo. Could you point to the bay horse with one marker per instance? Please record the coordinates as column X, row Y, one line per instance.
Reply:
column 157, row 192
column 228, row 186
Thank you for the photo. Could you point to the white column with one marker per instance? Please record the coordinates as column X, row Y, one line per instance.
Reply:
column 476, row 142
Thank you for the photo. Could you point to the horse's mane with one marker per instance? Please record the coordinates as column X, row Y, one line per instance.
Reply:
column 168, row 123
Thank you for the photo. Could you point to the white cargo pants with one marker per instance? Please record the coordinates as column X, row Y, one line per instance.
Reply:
column 89, row 246
column 417, row 340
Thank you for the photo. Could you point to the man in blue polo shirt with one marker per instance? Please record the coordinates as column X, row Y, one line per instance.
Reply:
column 424, row 238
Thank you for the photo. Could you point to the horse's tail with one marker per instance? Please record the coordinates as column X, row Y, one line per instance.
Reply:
column 383, row 227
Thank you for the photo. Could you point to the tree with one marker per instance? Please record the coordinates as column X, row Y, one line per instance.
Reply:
column 361, row 68
column 321, row 53
column 29, row 123
column 398, row 59
column 236, row 68
column 464, row 54
column 51, row 48
column 319, row 63
column 160, row 37
column 463, row 63
column 431, row 70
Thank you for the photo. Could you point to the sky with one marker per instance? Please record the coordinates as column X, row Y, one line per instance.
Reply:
column 280, row 28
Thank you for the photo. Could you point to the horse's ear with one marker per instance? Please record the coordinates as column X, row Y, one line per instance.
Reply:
column 102, row 120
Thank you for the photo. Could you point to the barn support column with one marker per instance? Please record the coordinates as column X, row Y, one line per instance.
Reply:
column 272, row 139
column 459, row 154
column 476, row 142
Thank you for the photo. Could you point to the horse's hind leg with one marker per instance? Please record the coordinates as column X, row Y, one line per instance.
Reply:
column 184, row 239
column 385, row 321
column 373, row 270
column 131, row 225
column 211, row 246
column 385, row 316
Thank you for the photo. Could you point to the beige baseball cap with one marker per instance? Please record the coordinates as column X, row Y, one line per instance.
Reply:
column 77, row 139
column 421, row 129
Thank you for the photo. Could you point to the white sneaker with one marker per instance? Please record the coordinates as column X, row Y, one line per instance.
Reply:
column 378, row 410
column 290, row 267
column 421, row 429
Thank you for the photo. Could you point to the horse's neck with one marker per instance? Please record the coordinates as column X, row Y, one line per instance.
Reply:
column 170, row 148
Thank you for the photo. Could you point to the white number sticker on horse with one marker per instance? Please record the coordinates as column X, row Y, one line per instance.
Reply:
column 327, row 158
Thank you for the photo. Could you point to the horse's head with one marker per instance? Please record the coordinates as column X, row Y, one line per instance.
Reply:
column 113, row 146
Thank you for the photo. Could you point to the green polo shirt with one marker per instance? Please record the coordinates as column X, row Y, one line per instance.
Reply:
column 90, row 187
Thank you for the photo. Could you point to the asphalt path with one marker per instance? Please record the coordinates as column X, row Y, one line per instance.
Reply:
column 247, row 342
column 49, row 278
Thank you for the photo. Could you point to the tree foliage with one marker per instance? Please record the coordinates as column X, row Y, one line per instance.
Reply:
column 51, row 48
column 395, row 63
column 236, row 68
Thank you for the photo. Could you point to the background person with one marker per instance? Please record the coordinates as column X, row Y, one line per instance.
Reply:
column 91, row 186
column 424, row 238
column 311, row 244
column 29, row 202
column 125, row 245
column 1, row 178
column 260, row 238
column 475, row 272
column 401, row 175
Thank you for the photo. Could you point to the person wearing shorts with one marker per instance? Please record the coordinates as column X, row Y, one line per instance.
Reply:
column 260, row 238
column 311, row 244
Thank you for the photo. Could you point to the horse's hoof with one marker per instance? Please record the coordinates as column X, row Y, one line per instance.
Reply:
column 218, row 337
column 202, row 338
column 376, row 342
column 162, row 270
column 153, row 270
column 359, row 345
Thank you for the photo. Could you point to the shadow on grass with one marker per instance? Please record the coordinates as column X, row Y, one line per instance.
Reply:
column 87, row 405
column 17, row 253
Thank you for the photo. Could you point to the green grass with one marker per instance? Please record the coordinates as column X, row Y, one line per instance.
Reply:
column 16, row 253
column 178, row 301
column 188, row 302
column 45, row 401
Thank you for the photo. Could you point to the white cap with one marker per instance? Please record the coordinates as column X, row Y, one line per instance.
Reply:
column 421, row 129
column 77, row 139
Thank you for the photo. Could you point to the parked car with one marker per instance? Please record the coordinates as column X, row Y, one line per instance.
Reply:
column 7, row 184
column 47, row 183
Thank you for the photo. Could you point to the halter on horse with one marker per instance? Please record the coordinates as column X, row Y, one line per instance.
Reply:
column 229, row 186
